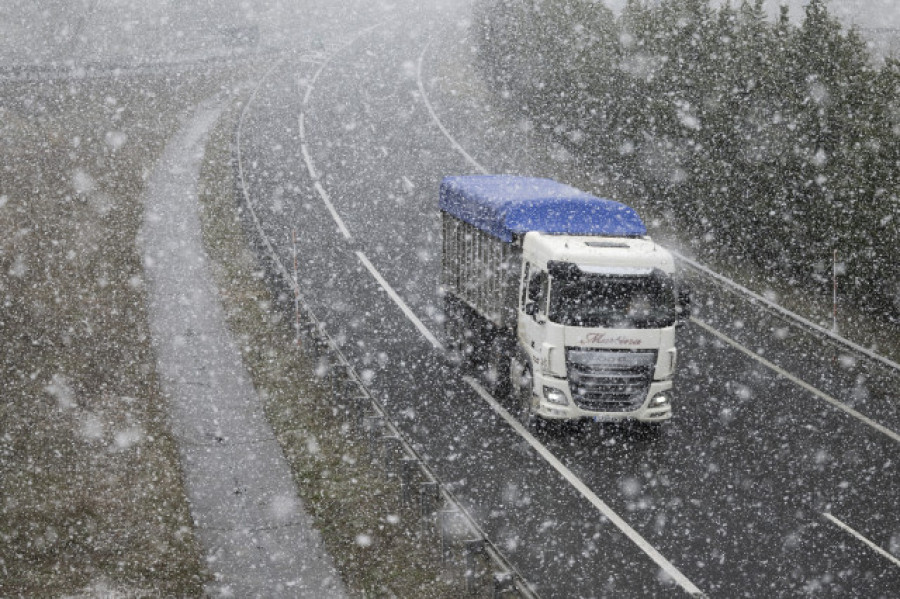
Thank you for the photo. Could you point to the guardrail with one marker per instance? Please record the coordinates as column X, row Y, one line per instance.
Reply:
column 784, row 312
column 64, row 71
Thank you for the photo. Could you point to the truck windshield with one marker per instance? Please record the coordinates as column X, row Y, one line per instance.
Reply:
column 619, row 302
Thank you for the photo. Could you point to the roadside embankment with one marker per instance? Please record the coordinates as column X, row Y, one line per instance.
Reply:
column 91, row 499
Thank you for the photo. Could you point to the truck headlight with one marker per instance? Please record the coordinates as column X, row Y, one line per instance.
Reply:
column 554, row 395
column 659, row 400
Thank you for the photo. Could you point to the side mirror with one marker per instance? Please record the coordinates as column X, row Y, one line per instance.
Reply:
column 531, row 308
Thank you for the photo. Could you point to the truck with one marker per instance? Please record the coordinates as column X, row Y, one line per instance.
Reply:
column 559, row 298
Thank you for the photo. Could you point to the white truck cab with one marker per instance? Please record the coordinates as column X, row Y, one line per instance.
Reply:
column 596, row 322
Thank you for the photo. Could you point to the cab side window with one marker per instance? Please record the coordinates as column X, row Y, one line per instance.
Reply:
column 524, row 298
column 537, row 290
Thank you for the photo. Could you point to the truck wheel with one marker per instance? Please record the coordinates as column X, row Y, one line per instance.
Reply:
column 455, row 332
column 450, row 340
column 524, row 397
column 455, row 342
column 498, row 370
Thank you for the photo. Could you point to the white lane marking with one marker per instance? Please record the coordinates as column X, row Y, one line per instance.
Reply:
column 438, row 122
column 337, row 219
column 582, row 488
column 309, row 85
column 869, row 543
column 820, row 394
column 308, row 160
column 304, row 148
column 722, row 336
column 399, row 301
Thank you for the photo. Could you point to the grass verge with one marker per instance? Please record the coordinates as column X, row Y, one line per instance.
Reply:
column 91, row 500
column 376, row 542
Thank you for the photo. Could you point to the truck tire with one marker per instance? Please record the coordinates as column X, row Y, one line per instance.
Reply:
column 450, row 325
column 523, row 396
column 455, row 332
column 497, row 372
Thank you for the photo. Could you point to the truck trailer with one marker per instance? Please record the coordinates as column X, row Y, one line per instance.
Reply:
column 559, row 298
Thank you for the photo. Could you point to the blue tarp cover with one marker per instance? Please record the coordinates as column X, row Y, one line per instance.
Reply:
column 506, row 205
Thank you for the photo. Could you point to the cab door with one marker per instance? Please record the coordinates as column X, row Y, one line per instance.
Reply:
column 533, row 310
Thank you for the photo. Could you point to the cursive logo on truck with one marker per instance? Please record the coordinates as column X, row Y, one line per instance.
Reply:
column 604, row 339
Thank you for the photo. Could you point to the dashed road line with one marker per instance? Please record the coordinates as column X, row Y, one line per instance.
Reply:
column 784, row 312
column 308, row 160
column 334, row 215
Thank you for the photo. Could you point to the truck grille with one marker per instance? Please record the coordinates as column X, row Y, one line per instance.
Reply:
column 610, row 380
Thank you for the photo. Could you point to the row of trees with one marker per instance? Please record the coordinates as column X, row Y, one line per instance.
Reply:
column 775, row 142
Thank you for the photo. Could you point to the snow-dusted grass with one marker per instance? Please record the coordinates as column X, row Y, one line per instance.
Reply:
column 91, row 497
column 374, row 540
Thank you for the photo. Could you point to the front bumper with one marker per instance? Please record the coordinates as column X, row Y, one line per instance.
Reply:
column 551, row 410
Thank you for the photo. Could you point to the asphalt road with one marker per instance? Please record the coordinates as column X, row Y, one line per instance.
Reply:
column 742, row 494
